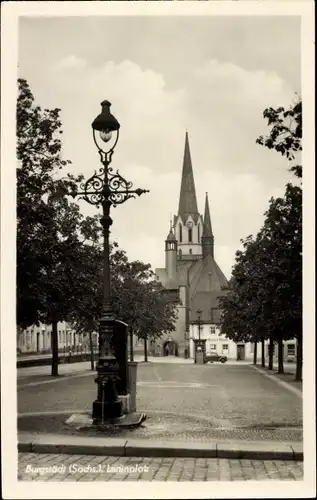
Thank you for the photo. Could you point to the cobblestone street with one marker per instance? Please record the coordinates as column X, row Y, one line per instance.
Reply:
column 183, row 402
column 91, row 468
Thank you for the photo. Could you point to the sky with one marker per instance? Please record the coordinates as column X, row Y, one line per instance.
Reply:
column 212, row 76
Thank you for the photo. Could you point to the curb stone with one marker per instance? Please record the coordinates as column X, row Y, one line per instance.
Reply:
column 82, row 445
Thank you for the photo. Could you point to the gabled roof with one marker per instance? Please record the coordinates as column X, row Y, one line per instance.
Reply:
column 206, row 276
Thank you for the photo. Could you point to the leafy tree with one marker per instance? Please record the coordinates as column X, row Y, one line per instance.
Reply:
column 140, row 301
column 283, row 230
column 285, row 215
column 243, row 305
column 265, row 299
column 50, row 229
column 137, row 299
column 285, row 133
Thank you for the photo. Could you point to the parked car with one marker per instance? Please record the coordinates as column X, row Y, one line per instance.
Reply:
column 212, row 357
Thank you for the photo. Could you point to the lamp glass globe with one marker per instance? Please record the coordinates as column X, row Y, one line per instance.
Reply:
column 105, row 135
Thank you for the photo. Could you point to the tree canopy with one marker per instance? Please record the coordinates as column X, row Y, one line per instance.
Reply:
column 285, row 135
column 137, row 298
column 265, row 299
column 50, row 229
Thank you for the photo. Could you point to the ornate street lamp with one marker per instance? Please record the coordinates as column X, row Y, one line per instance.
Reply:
column 199, row 312
column 104, row 189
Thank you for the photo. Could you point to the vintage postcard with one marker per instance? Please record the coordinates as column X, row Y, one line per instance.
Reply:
column 157, row 291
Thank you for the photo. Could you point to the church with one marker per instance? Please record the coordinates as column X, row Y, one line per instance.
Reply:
column 192, row 276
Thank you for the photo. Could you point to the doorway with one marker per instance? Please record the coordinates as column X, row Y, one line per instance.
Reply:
column 170, row 348
column 240, row 352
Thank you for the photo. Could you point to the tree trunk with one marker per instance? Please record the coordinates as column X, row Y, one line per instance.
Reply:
column 92, row 354
column 263, row 352
column 255, row 352
column 271, row 347
column 131, row 344
column 280, row 356
column 19, row 336
column 54, row 341
column 299, row 358
column 145, row 349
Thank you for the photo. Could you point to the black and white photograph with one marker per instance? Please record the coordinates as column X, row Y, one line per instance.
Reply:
column 156, row 288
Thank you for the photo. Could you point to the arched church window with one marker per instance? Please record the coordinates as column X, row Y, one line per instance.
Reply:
column 180, row 233
column 190, row 235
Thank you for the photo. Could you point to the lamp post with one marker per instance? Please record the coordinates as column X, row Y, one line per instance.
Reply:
column 199, row 312
column 106, row 188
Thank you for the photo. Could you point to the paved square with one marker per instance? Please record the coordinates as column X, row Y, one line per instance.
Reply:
column 186, row 402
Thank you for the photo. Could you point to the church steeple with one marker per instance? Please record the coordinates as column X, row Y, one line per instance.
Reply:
column 187, row 199
column 207, row 236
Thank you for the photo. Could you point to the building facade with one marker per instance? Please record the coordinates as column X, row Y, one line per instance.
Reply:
column 38, row 339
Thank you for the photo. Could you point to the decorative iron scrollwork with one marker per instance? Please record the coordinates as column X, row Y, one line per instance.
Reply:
column 107, row 186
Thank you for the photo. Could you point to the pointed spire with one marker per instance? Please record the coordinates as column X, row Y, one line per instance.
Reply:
column 171, row 235
column 207, row 236
column 187, row 199
column 207, row 230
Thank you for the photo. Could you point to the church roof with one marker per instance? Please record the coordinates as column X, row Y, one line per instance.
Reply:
column 208, row 303
column 168, row 283
column 187, row 199
column 206, row 276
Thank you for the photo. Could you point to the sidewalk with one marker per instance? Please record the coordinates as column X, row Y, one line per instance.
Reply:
column 62, row 467
column 75, row 368
column 63, row 369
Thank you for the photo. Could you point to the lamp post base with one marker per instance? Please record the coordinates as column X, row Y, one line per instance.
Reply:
column 105, row 410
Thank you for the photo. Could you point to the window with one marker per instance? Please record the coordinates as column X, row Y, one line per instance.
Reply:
column 198, row 233
column 190, row 251
column 190, row 235
column 213, row 347
column 291, row 349
column 212, row 329
column 180, row 233
column 225, row 347
column 180, row 254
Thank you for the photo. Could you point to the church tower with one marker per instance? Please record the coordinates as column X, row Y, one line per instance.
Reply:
column 191, row 276
column 188, row 223
column 171, row 254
